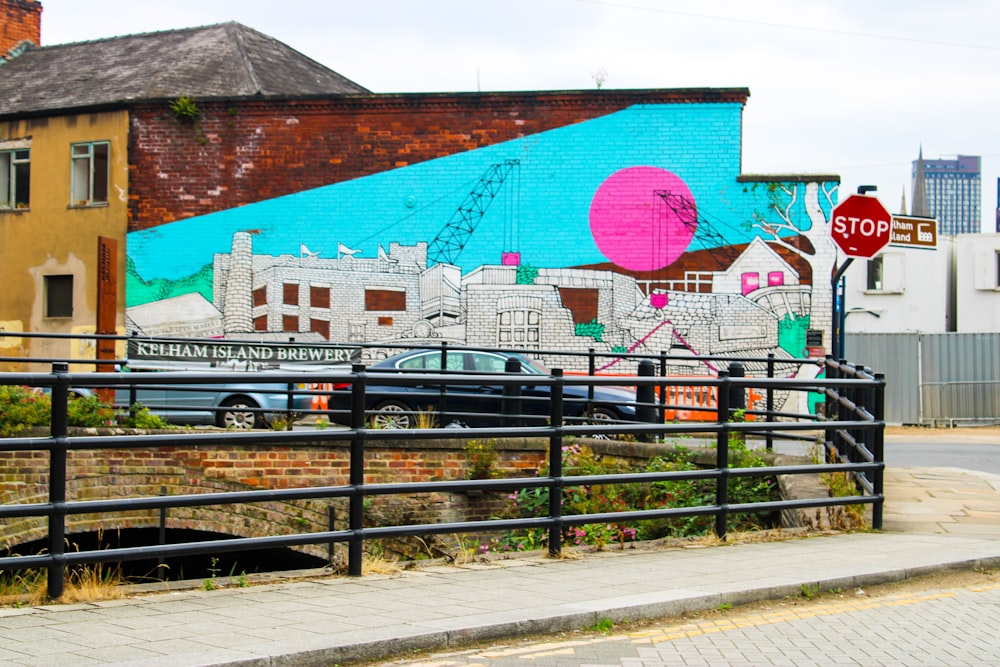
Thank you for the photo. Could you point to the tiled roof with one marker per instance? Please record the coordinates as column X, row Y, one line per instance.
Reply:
column 224, row 60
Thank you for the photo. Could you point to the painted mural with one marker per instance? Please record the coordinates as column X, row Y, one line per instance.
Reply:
column 630, row 232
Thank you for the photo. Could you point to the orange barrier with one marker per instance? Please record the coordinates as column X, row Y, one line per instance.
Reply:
column 321, row 401
column 689, row 402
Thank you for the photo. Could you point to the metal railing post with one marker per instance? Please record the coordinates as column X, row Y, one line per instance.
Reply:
column 661, row 409
column 57, row 479
column 645, row 396
column 331, row 525
column 769, row 435
column 511, row 408
column 878, row 484
column 289, row 405
column 556, row 464
column 443, row 389
column 591, row 372
column 356, row 509
column 722, row 455
column 859, row 395
column 161, row 537
column 830, row 410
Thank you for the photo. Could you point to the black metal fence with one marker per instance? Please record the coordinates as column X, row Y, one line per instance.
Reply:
column 850, row 426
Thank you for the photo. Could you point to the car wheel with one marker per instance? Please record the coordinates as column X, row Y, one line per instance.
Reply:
column 240, row 413
column 391, row 415
column 601, row 415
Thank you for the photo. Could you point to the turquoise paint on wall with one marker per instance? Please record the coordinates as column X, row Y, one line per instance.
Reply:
column 559, row 172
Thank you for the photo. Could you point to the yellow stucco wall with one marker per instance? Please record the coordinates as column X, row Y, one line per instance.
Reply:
column 53, row 238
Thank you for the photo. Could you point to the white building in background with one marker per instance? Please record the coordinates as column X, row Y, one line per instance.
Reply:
column 977, row 283
column 955, row 287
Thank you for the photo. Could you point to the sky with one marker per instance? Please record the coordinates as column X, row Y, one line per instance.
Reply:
column 848, row 87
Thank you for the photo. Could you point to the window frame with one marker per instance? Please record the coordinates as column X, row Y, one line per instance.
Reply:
column 15, row 177
column 886, row 274
column 90, row 164
column 65, row 300
column 875, row 274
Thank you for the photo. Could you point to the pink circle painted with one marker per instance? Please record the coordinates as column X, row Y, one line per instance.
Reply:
column 634, row 227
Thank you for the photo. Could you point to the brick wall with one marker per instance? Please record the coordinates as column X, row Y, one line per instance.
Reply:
column 172, row 471
column 20, row 20
column 241, row 152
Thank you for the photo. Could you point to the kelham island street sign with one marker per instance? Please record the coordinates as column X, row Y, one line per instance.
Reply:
column 914, row 232
column 228, row 353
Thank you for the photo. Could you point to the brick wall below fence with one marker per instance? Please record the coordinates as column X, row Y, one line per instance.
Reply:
column 194, row 469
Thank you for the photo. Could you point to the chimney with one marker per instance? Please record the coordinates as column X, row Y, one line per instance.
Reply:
column 20, row 21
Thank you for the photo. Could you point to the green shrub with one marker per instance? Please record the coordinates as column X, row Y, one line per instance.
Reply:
column 89, row 411
column 21, row 408
column 600, row 498
column 141, row 417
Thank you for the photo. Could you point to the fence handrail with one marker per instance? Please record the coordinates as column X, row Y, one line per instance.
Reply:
column 851, row 427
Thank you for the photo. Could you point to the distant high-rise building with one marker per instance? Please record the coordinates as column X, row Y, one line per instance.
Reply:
column 949, row 190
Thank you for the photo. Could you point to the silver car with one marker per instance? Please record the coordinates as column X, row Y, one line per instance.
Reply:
column 238, row 405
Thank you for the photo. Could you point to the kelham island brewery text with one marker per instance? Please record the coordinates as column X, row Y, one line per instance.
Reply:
column 222, row 351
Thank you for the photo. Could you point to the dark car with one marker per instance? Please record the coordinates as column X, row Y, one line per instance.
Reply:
column 479, row 405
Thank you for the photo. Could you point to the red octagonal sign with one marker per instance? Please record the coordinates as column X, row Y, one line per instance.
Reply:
column 861, row 226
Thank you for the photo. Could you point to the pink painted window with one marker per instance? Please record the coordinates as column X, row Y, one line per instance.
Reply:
column 751, row 281
column 775, row 278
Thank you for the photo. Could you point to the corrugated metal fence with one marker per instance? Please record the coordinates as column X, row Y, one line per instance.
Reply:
column 940, row 378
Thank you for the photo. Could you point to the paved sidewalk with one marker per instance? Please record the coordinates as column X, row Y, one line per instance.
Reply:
column 935, row 519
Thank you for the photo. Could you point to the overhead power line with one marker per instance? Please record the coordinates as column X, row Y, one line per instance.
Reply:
column 788, row 26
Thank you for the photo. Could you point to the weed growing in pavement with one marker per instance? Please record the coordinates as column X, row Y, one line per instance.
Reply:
column 83, row 583
column 808, row 592
column 424, row 419
column 604, row 626
column 281, row 423
column 376, row 561
column 213, row 569
column 482, row 455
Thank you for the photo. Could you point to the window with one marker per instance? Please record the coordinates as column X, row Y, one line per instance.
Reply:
column 322, row 327
column 519, row 328
column 985, row 267
column 885, row 274
column 290, row 294
column 259, row 297
column 875, row 268
column 15, row 178
column 319, row 297
column 58, row 296
column 91, row 173
column 384, row 299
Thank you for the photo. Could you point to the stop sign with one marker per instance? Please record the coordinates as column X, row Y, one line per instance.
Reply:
column 861, row 226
